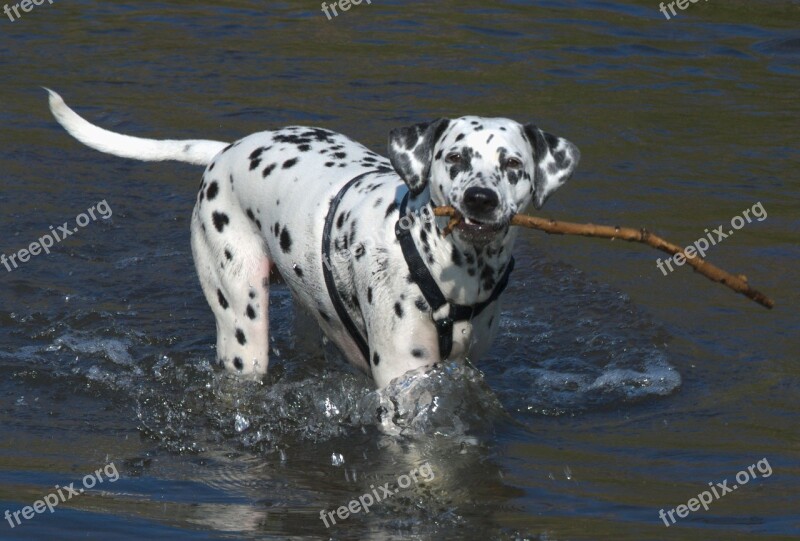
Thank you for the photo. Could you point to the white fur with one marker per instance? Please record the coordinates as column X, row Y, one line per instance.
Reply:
column 198, row 152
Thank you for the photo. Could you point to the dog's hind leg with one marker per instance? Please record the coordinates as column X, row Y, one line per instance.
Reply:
column 234, row 274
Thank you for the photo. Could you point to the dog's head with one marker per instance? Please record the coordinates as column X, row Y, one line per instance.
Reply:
column 488, row 169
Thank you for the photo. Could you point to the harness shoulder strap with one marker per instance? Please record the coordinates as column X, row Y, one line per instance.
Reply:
column 327, row 271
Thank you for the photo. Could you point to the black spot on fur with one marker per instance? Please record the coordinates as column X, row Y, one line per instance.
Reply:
column 418, row 353
column 240, row 337
column 286, row 241
column 391, row 208
column 238, row 364
column 222, row 300
column 289, row 163
column 319, row 134
column 376, row 359
column 340, row 155
column 213, row 190
column 251, row 313
column 398, row 309
column 298, row 271
column 487, row 275
column 340, row 220
column 329, row 164
column 268, row 169
column 359, row 251
column 369, row 295
column 421, row 305
column 291, row 138
column 220, row 220
column 228, row 254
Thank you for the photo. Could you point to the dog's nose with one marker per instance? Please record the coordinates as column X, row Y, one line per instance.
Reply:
column 480, row 200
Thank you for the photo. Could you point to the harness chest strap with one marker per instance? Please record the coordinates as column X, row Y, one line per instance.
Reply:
column 434, row 296
column 419, row 274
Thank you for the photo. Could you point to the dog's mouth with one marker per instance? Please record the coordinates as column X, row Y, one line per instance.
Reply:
column 479, row 232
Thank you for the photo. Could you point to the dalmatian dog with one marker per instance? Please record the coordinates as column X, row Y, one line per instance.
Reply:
column 353, row 233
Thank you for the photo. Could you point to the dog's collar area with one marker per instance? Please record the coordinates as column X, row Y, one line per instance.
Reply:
column 433, row 293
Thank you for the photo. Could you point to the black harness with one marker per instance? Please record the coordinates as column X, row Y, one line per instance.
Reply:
column 419, row 274
column 327, row 270
column 434, row 296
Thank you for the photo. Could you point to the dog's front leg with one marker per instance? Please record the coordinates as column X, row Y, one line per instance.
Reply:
column 402, row 337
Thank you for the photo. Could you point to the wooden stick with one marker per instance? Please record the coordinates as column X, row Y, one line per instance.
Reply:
column 553, row 227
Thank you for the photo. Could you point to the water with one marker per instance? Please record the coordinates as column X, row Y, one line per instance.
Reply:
column 612, row 392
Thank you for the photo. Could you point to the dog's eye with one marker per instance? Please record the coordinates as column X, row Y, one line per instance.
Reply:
column 513, row 163
column 453, row 158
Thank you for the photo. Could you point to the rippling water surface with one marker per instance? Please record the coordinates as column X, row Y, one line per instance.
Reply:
column 612, row 391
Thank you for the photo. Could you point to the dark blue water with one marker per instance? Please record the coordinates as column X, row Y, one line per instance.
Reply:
column 612, row 392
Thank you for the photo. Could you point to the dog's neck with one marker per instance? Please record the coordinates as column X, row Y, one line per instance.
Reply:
column 465, row 273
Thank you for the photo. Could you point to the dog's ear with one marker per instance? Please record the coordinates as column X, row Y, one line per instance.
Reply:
column 411, row 152
column 555, row 158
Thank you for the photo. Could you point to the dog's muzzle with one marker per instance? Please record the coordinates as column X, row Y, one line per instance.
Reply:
column 479, row 224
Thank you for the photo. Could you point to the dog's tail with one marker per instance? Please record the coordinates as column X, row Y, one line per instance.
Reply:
column 199, row 152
